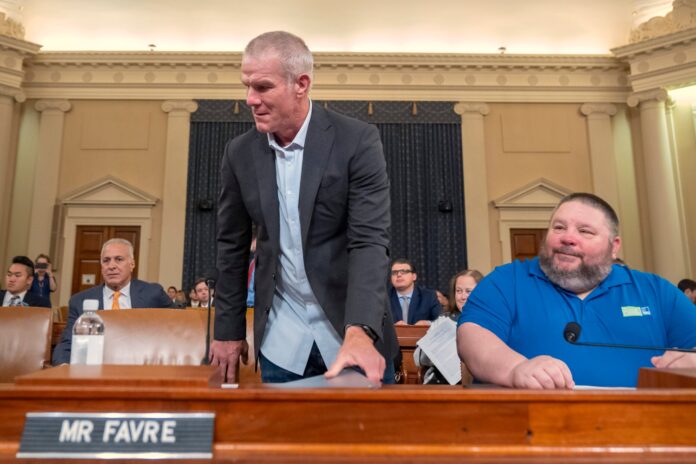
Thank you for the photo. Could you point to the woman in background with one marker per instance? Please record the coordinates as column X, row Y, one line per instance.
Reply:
column 460, row 287
column 44, row 281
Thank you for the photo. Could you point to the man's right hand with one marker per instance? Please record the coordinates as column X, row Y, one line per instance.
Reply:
column 226, row 355
column 542, row 372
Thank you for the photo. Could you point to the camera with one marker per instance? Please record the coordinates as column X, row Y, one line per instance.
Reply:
column 41, row 266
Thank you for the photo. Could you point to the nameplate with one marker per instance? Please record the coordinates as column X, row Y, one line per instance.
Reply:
column 117, row 435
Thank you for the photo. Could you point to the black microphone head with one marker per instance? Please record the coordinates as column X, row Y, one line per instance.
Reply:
column 571, row 332
column 212, row 278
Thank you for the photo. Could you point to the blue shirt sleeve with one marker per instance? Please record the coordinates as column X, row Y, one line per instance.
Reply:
column 680, row 316
column 492, row 303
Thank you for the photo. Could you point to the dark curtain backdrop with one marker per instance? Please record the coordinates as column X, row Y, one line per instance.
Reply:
column 422, row 145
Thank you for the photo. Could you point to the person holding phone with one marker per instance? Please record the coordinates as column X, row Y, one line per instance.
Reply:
column 44, row 280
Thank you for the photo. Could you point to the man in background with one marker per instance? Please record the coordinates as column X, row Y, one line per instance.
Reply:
column 688, row 286
column 410, row 303
column 118, row 292
column 18, row 281
column 512, row 328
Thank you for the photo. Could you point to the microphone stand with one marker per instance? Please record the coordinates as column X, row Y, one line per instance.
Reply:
column 211, row 287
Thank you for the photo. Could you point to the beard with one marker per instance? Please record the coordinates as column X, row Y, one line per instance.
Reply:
column 583, row 278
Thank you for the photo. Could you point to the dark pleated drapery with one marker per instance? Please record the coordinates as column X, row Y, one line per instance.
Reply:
column 422, row 145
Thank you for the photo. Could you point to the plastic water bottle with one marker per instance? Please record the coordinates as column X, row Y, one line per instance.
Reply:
column 88, row 336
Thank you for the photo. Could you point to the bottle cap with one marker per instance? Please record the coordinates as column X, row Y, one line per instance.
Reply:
column 90, row 305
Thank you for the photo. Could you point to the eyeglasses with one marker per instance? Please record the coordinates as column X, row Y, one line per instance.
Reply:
column 399, row 272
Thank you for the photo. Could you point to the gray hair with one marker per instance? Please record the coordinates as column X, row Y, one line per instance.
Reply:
column 295, row 57
column 120, row 241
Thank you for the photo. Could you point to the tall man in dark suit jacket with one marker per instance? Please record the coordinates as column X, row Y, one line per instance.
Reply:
column 18, row 280
column 419, row 303
column 119, row 291
column 315, row 184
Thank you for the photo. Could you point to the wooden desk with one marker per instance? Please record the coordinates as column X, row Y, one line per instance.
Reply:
column 398, row 424
column 408, row 335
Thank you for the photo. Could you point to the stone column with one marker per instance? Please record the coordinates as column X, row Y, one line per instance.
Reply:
column 7, row 101
column 478, row 242
column 668, row 246
column 604, row 178
column 46, row 174
column 174, row 195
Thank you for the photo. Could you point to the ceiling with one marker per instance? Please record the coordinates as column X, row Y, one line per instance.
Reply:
column 436, row 26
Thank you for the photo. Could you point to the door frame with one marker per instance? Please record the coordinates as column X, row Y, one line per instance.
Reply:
column 107, row 202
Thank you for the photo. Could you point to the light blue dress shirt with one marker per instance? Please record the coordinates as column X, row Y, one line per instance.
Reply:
column 296, row 320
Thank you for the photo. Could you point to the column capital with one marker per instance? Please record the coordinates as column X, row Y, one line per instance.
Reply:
column 598, row 109
column 659, row 95
column 189, row 106
column 11, row 92
column 462, row 108
column 46, row 105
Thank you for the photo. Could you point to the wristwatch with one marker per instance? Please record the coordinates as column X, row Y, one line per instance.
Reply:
column 368, row 330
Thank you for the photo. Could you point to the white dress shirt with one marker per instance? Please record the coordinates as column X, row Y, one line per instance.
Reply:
column 124, row 299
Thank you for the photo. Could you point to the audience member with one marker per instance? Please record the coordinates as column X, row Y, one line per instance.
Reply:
column 461, row 285
column 193, row 298
column 203, row 292
column 171, row 293
column 327, row 225
column 44, row 279
column 411, row 304
column 18, row 281
column 180, row 300
column 512, row 328
column 442, row 299
column 688, row 286
column 119, row 291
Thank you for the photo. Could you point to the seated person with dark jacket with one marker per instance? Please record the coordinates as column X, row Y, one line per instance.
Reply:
column 119, row 291
column 18, row 280
column 411, row 304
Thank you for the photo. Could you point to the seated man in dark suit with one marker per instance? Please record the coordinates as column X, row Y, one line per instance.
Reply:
column 18, row 280
column 411, row 304
column 118, row 292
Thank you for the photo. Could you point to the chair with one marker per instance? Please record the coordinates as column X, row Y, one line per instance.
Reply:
column 25, row 341
column 154, row 336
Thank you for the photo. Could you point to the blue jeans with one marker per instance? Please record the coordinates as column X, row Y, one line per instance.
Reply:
column 271, row 373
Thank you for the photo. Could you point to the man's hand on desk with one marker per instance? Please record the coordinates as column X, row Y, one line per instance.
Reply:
column 226, row 355
column 542, row 372
column 674, row 359
column 358, row 349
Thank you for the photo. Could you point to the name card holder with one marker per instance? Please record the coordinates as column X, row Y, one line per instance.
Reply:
column 117, row 435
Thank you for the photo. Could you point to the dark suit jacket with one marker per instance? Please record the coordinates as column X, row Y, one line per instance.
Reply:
column 344, row 219
column 143, row 295
column 31, row 299
column 422, row 307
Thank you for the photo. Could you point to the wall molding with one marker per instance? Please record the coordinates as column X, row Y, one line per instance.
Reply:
column 340, row 76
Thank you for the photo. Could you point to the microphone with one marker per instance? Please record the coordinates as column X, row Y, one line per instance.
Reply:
column 210, row 281
column 571, row 333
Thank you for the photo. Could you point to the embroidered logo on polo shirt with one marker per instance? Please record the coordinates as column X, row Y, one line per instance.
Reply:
column 635, row 311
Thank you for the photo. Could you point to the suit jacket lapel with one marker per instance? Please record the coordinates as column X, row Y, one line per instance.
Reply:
column 317, row 150
column 135, row 296
column 264, row 162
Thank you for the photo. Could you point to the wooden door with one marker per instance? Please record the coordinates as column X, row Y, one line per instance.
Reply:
column 88, row 243
column 525, row 243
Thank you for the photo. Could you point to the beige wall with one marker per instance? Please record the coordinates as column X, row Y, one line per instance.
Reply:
column 526, row 141
column 122, row 139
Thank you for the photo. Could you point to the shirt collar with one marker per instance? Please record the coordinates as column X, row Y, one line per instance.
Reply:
column 21, row 295
column 125, row 291
column 300, row 137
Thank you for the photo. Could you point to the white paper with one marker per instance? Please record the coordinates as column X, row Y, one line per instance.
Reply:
column 440, row 346
column 348, row 378
column 593, row 387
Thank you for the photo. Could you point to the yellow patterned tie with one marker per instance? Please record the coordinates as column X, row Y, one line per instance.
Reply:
column 114, row 303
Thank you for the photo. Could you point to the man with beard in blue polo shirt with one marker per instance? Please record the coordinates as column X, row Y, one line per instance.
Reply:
column 511, row 330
